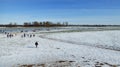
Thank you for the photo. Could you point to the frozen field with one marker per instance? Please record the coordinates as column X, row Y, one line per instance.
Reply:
column 103, row 39
column 73, row 49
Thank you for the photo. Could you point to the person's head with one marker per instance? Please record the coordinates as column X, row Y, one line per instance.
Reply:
column 36, row 41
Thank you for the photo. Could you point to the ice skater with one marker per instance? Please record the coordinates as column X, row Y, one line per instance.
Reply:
column 36, row 44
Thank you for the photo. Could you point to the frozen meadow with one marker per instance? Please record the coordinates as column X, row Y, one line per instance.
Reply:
column 58, row 48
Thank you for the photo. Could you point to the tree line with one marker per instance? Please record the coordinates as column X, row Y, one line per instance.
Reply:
column 35, row 24
column 51, row 24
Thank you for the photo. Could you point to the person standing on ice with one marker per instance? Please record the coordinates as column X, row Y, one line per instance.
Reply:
column 36, row 44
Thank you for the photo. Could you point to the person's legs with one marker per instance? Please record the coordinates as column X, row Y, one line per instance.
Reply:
column 36, row 46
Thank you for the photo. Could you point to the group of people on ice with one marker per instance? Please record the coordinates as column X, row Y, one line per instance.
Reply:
column 28, row 35
column 9, row 35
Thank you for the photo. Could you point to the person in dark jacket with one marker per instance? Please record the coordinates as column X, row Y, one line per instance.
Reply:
column 36, row 44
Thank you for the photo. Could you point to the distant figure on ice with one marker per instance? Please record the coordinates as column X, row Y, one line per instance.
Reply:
column 33, row 35
column 36, row 44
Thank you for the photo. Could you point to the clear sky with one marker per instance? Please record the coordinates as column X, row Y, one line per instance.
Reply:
column 73, row 11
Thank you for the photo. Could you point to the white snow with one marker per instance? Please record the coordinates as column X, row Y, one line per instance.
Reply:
column 83, row 50
column 106, row 39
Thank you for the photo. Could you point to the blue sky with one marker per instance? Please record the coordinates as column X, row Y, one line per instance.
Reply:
column 73, row 11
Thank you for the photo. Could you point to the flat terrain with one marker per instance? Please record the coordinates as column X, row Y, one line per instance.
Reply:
column 60, row 49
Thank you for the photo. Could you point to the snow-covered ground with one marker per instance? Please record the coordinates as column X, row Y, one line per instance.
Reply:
column 104, row 39
column 62, row 49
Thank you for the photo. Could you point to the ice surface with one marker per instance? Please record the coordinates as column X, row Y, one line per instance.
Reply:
column 18, row 50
